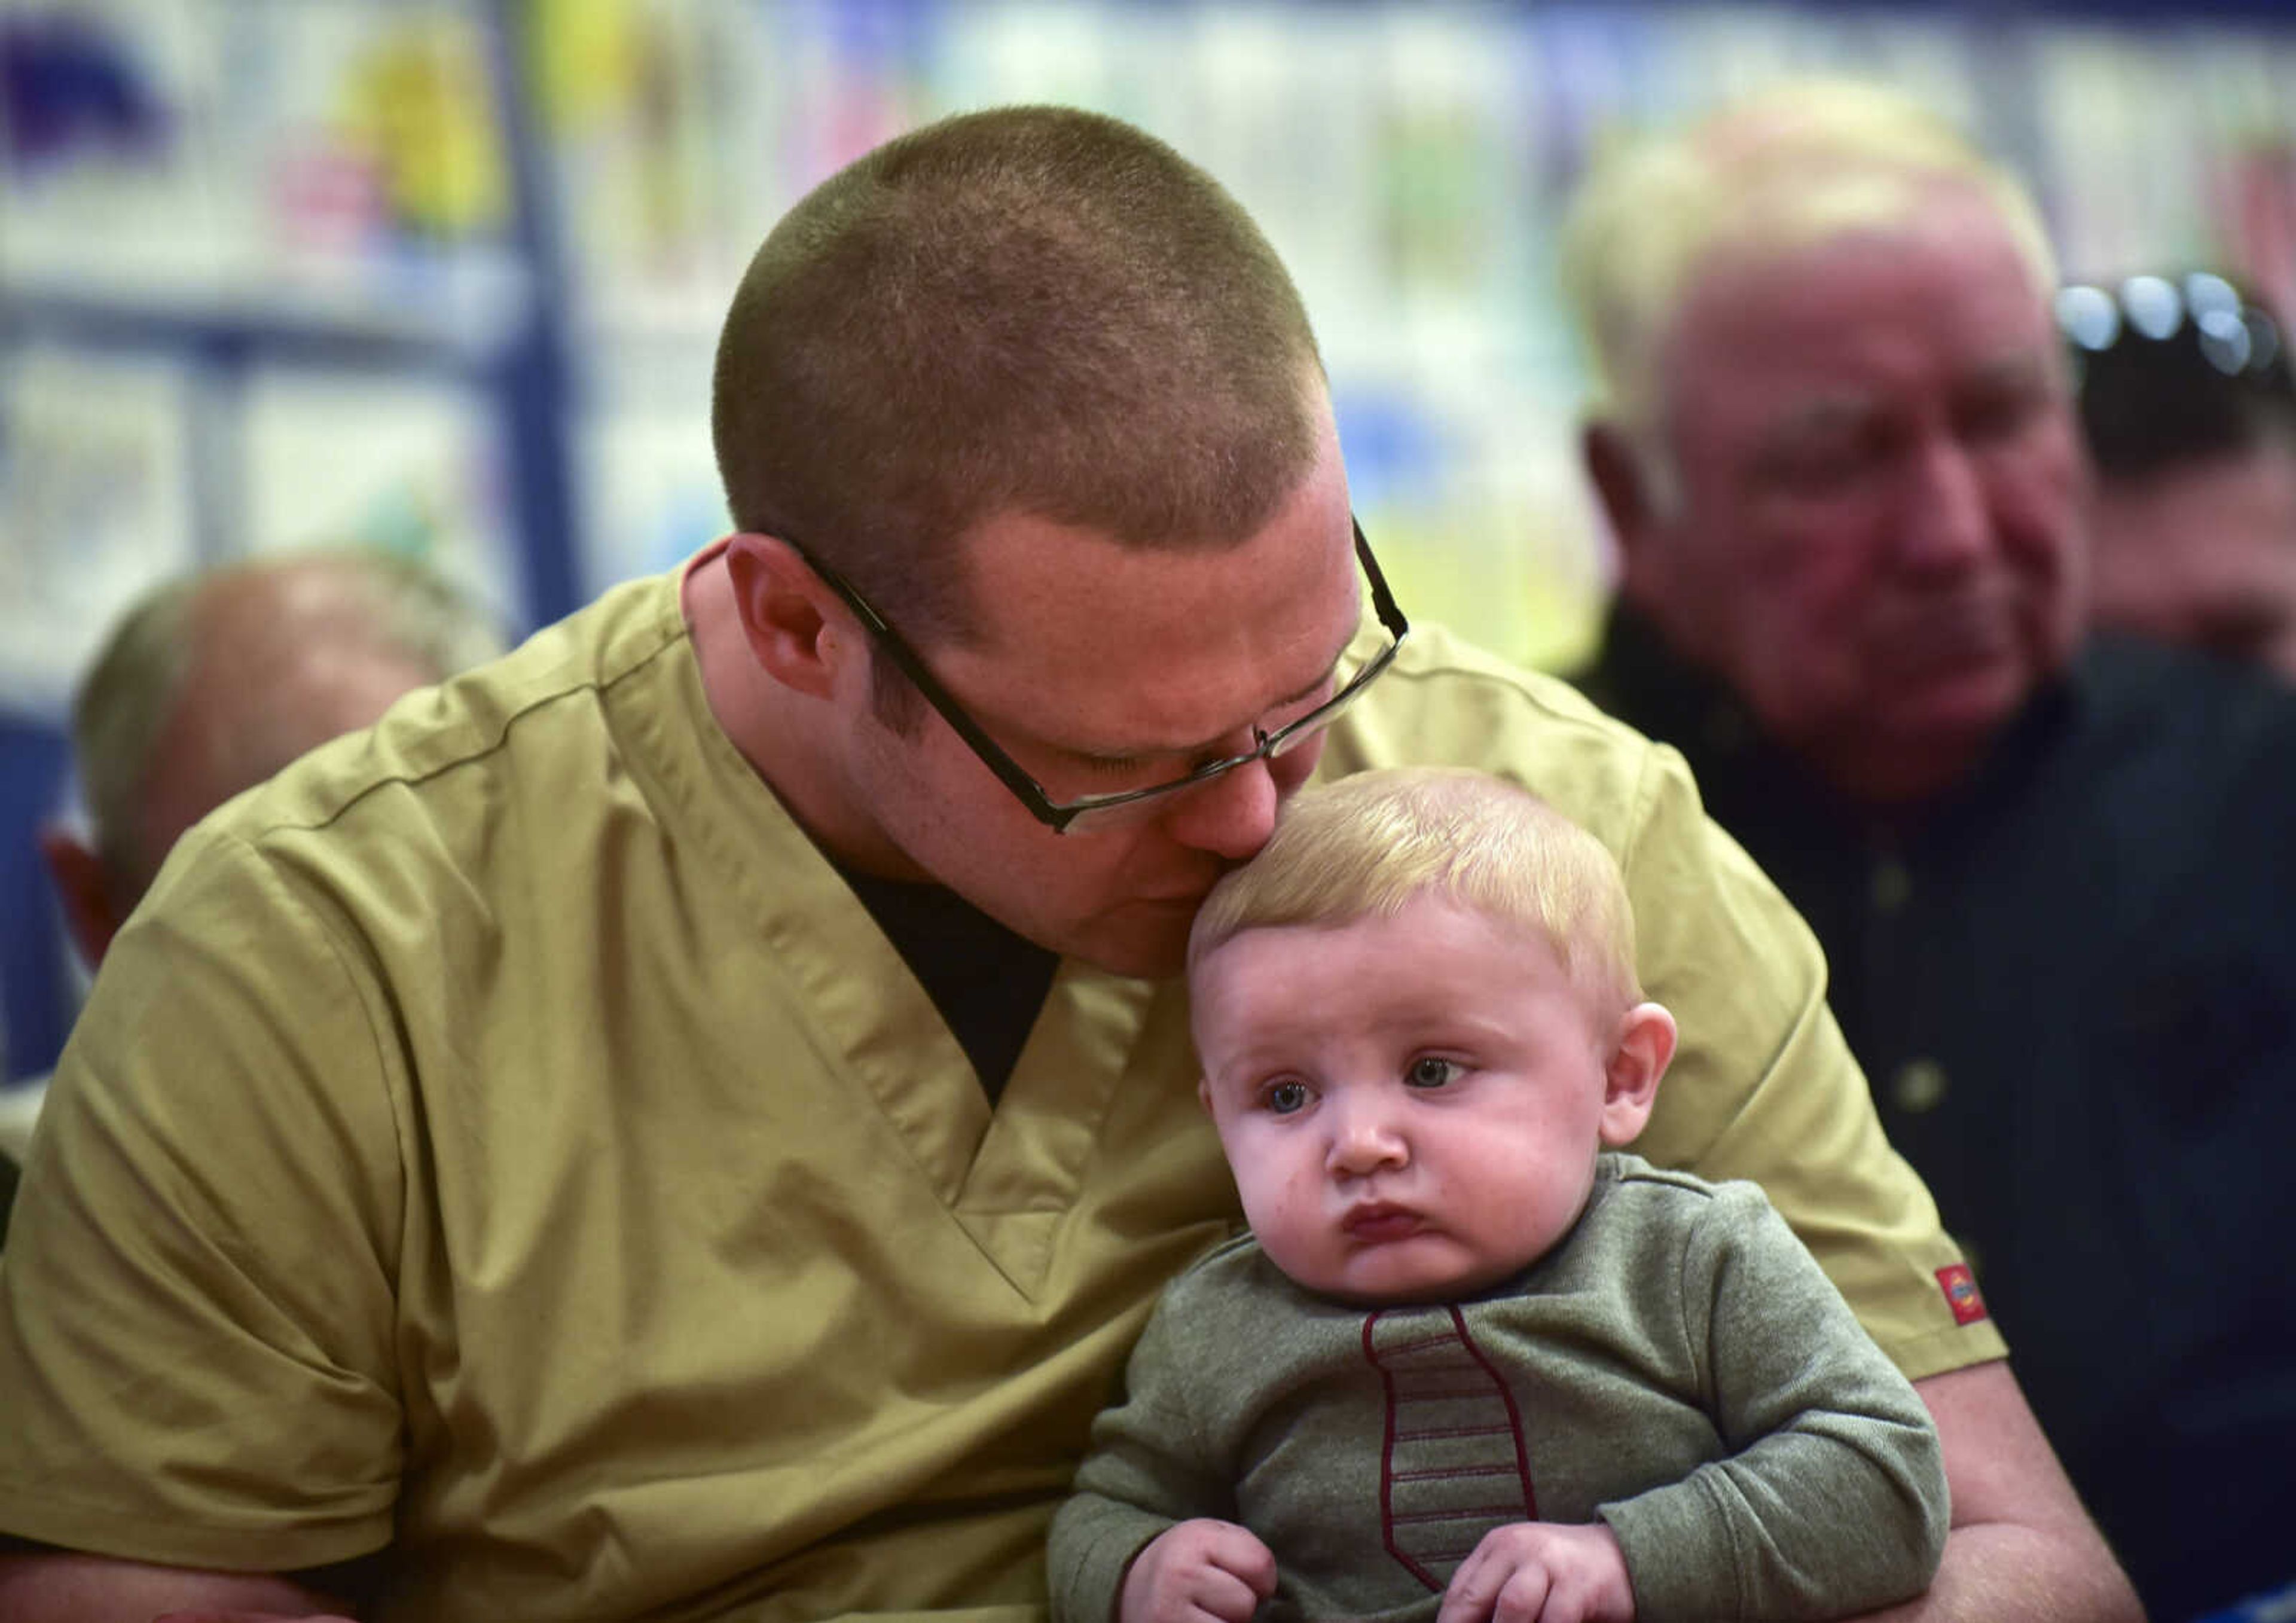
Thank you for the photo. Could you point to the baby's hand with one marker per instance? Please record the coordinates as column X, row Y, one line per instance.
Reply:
column 1198, row 1570
column 1542, row 1572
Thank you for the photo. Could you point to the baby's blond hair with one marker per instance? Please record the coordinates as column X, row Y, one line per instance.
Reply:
column 1369, row 844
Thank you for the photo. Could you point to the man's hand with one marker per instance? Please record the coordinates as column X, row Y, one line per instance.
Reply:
column 1198, row 1570
column 1542, row 1572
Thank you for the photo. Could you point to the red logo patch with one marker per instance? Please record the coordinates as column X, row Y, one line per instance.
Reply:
column 1960, row 1288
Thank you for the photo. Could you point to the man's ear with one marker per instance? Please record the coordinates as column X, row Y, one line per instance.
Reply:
column 1640, row 1053
column 83, row 891
column 796, row 627
column 1621, row 484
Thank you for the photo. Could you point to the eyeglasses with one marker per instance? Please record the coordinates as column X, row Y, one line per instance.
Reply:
column 1090, row 812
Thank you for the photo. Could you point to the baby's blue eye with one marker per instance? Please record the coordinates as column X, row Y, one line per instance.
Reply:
column 1285, row 1098
column 1428, row 1072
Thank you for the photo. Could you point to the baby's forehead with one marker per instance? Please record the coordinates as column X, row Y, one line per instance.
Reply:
column 1400, row 917
column 1228, row 972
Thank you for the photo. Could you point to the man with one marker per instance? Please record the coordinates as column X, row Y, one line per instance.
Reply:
column 2188, row 405
column 212, row 682
column 2053, row 882
column 726, row 1107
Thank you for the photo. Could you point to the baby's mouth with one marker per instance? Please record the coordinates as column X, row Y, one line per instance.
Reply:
column 1374, row 1221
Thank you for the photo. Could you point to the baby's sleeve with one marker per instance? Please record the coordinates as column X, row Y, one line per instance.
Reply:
column 1148, row 1467
column 1832, row 1499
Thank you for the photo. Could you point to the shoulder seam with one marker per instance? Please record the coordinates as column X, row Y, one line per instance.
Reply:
column 486, row 746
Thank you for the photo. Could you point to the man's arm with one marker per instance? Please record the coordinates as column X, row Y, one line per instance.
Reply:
column 2020, row 1549
column 61, row 1587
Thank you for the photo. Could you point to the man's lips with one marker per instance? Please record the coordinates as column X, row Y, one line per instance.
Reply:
column 1190, row 895
column 1941, row 638
column 1373, row 1222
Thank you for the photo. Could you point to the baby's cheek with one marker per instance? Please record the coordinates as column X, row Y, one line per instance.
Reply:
column 1286, row 1218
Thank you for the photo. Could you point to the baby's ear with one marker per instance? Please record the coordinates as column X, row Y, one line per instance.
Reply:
column 1640, row 1051
column 1205, row 1094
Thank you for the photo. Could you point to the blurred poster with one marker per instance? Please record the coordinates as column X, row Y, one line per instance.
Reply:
column 338, row 162
column 114, row 176
column 679, row 130
column 649, row 496
column 97, row 494
column 410, row 464
column 377, row 143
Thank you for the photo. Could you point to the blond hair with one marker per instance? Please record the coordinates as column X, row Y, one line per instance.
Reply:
column 1799, row 164
column 1371, row 843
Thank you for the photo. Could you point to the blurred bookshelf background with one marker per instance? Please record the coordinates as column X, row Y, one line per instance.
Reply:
column 444, row 275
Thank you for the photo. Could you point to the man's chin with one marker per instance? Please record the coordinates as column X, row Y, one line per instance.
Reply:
column 1963, row 710
column 1153, row 947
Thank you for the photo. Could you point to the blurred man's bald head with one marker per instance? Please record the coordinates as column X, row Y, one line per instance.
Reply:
column 212, row 684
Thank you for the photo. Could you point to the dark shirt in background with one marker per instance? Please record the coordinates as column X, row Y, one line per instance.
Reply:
column 2073, row 982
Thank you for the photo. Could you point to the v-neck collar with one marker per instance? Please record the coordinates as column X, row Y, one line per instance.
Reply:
column 1008, row 1175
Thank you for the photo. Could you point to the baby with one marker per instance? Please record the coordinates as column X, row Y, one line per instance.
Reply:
column 1470, row 1349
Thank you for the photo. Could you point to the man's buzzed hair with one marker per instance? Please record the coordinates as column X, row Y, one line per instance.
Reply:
column 1032, row 309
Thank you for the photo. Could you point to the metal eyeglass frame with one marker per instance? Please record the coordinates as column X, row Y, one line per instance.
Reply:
column 1070, row 816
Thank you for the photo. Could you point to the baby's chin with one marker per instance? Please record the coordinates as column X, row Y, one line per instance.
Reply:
column 1400, row 1281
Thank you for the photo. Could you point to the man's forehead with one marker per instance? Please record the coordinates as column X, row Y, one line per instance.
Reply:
column 1826, row 406
column 1958, row 261
column 1114, row 650
column 1101, row 713
column 1785, row 359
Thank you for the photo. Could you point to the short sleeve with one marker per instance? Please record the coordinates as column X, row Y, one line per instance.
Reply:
column 1764, row 1086
column 196, row 1301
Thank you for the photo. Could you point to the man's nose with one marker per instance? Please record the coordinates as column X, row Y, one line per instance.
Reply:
column 1230, row 816
column 1945, row 523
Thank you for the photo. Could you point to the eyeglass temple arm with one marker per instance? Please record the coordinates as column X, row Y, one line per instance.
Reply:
column 1383, row 601
column 991, row 753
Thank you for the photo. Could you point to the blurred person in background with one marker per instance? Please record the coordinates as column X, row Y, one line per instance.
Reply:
column 209, row 684
column 2188, row 405
column 1838, row 451
column 724, row 1094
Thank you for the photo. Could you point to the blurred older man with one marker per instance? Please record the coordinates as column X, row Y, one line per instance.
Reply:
column 1839, row 456
column 209, row 684
column 213, row 683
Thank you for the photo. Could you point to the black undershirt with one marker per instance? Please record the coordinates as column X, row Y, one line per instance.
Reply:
column 987, row 982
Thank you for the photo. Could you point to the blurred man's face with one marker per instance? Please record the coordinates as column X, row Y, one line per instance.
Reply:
column 1875, row 540
column 2205, row 554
